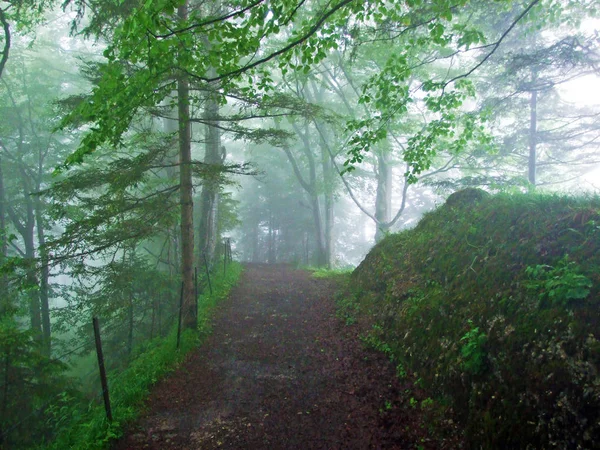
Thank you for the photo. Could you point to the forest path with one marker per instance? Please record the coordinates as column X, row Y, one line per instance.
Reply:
column 279, row 371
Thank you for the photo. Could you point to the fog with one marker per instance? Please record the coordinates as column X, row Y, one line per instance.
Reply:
column 139, row 139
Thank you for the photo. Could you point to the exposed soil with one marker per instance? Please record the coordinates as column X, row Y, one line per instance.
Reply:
column 280, row 371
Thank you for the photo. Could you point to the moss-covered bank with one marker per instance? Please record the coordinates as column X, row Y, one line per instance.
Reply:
column 493, row 301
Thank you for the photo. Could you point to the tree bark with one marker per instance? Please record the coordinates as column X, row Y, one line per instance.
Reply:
column 35, row 313
column 186, row 202
column 6, row 49
column 44, row 277
column 214, row 156
column 271, row 252
column 328, row 177
column 533, row 137
column 209, row 200
column 4, row 245
column 383, row 200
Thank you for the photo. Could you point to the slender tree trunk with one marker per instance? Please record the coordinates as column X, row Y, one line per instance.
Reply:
column 328, row 177
column 311, row 189
column 329, row 242
column 209, row 200
column 44, row 277
column 271, row 252
column 533, row 137
column 214, row 156
column 4, row 245
column 6, row 46
column 306, row 248
column 186, row 202
column 153, row 318
column 130, row 320
column 34, row 298
column 255, row 237
column 319, row 235
column 383, row 200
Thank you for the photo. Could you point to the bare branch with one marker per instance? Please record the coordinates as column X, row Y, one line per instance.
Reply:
column 495, row 45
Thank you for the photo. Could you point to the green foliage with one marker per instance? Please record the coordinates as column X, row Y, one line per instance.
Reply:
column 373, row 340
column 473, row 351
column 559, row 284
column 525, row 365
column 87, row 428
column 28, row 379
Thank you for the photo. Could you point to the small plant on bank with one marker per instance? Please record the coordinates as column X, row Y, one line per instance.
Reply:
column 472, row 350
column 559, row 284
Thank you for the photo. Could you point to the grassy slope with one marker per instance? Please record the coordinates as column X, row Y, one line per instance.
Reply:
column 512, row 352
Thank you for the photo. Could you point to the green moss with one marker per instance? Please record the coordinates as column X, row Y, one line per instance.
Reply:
column 493, row 300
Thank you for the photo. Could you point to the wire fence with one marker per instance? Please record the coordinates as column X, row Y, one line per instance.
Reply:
column 39, row 401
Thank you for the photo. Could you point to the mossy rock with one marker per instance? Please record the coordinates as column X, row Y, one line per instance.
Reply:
column 466, row 197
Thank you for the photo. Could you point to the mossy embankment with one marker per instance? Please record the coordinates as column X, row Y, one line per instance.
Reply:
column 493, row 302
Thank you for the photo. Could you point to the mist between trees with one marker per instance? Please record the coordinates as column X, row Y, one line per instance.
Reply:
column 135, row 136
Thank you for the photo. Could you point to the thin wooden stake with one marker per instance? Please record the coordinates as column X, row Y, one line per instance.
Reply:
column 196, row 288
column 180, row 314
column 103, row 380
column 207, row 273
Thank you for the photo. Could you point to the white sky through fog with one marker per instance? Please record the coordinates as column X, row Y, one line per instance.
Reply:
column 586, row 91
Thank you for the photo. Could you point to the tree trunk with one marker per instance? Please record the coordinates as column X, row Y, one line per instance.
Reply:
column 319, row 235
column 383, row 200
column 214, row 156
column 28, row 233
column 271, row 252
column 209, row 200
column 255, row 237
column 4, row 302
column 533, row 136
column 186, row 202
column 328, row 177
column 311, row 189
column 130, row 324
column 44, row 277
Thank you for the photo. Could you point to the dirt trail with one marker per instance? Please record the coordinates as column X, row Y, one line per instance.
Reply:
column 280, row 371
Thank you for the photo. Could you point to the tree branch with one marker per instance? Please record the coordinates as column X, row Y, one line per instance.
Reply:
column 6, row 49
column 208, row 22
column 312, row 30
column 495, row 45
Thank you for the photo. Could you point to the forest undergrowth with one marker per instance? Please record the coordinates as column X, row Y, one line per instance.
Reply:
column 74, row 420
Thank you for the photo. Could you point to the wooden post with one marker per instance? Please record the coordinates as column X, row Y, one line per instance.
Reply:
column 180, row 314
column 102, row 369
column 196, row 288
column 153, row 316
column 158, row 313
column 207, row 273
